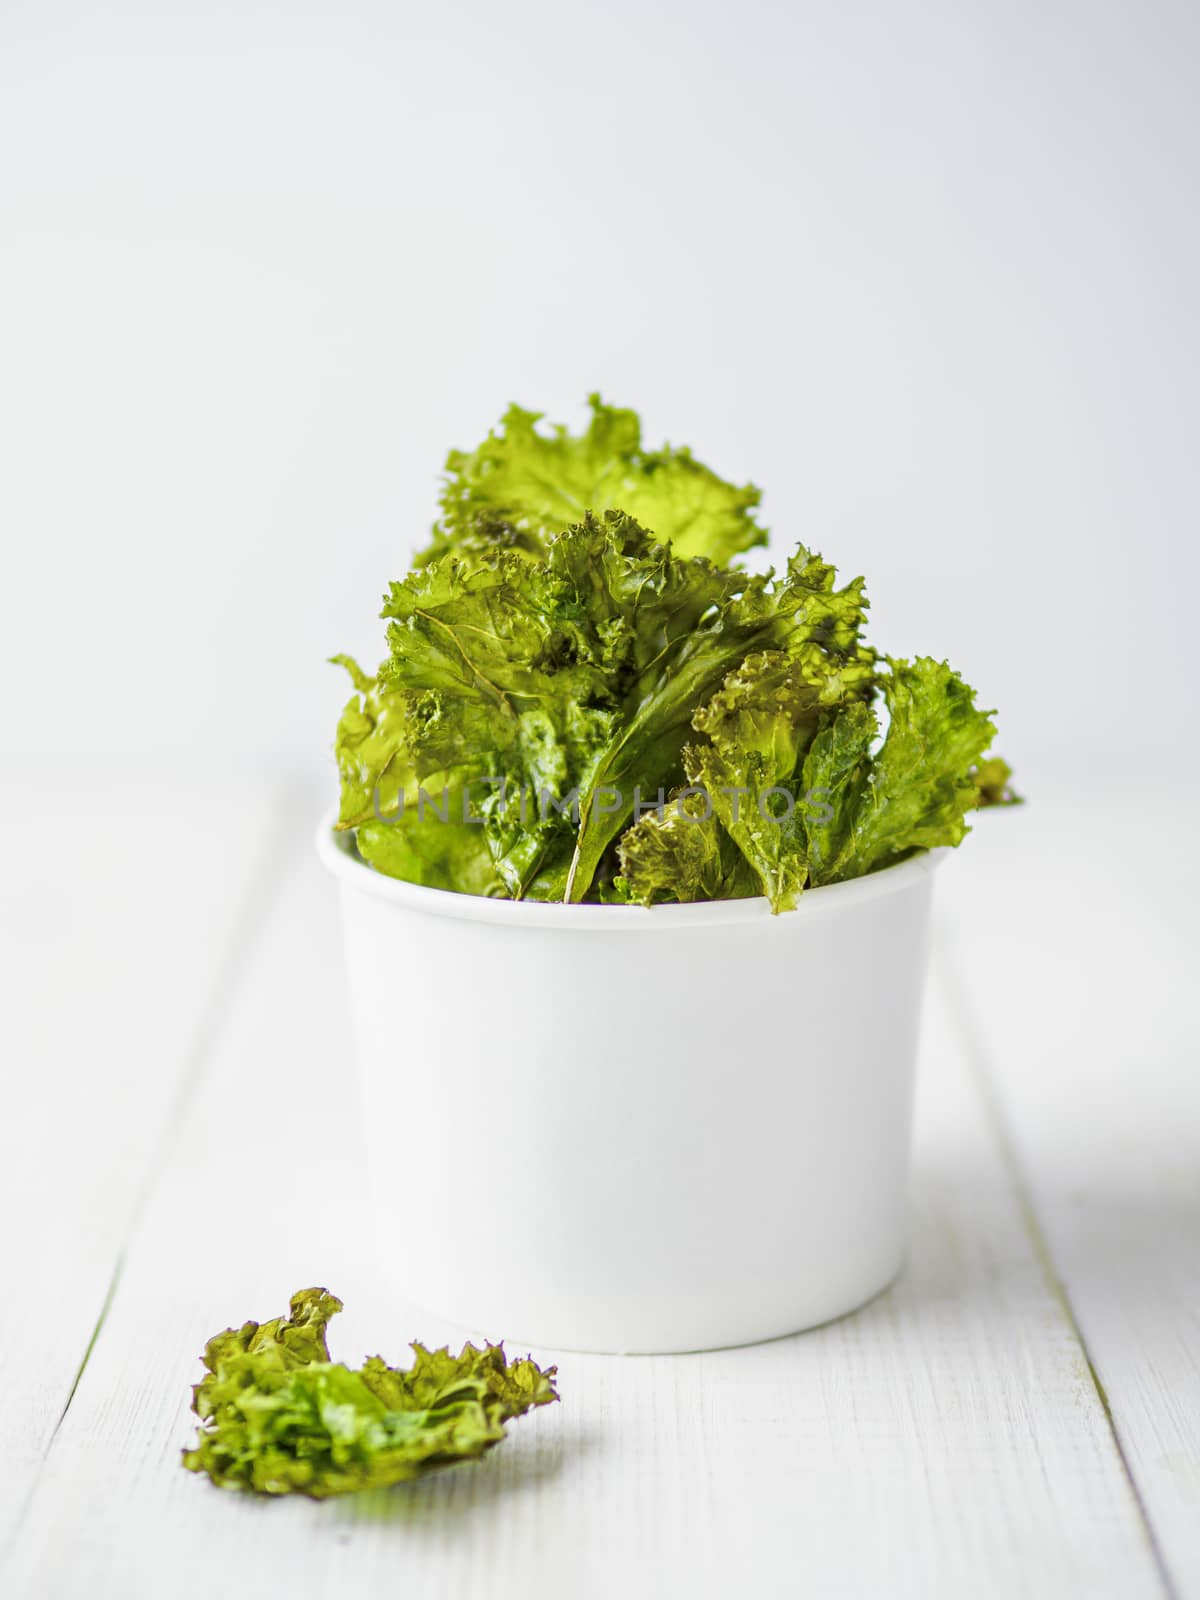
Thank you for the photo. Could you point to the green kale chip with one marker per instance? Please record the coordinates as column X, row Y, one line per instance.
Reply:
column 523, row 485
column 680, row 852
column 915, row 791
column 277, row 1416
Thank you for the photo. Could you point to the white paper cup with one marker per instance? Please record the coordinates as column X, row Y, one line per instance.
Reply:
column 612, row 1129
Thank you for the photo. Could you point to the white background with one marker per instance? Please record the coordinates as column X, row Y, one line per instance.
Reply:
column 925, row 272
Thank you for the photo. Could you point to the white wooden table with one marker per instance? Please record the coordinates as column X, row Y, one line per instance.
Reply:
column 1018, row 1416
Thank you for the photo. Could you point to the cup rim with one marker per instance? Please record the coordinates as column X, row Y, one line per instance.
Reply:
column 334, row 851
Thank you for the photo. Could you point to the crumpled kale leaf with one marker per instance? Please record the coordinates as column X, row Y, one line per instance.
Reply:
column 915, row 791
column 278, row 1417
column 680, row 852
column 759, row 725
column 523, row 485
column 993, row 783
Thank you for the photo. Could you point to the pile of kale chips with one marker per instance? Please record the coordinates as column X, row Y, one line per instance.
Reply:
column 583, row 700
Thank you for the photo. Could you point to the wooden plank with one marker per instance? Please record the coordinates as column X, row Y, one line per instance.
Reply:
column 948, row 1440
column 1076, row 948
column 116, row 923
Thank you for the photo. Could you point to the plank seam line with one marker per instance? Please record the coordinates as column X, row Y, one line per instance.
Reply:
column 980, row 1067
column 105, row 1308
column 263, row 885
